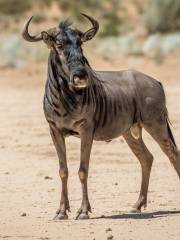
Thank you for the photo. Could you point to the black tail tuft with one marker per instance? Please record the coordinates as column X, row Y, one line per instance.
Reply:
column 170, row 133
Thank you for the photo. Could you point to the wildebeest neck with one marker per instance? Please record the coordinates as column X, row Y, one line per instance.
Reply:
column 61, row 96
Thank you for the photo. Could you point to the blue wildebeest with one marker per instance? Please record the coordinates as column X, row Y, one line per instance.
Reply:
column 99, row 105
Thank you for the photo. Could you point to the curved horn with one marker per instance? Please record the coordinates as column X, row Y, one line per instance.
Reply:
column 26, row 34
column 91, row 32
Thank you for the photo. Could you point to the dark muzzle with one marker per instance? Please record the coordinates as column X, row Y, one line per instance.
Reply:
column 79, row 79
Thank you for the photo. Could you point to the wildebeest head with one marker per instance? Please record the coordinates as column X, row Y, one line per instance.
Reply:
column 67, row 44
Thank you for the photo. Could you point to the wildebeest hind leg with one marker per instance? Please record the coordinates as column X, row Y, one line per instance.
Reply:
column 145, row 158
column 163, row 136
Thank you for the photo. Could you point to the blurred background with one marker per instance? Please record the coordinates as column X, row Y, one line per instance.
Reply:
column 139, row 28
column 139, row 34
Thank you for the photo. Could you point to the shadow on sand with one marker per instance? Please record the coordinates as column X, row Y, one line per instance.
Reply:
column 148, row 215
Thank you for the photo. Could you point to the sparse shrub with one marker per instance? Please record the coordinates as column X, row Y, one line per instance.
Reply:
column 112, row 25
column 14, row 7
column 112, row 19
column 75, row 7
column 45, row 2
column 162, row 15
column 139, row 5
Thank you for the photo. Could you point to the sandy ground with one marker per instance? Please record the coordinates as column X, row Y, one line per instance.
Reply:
column 27, row 156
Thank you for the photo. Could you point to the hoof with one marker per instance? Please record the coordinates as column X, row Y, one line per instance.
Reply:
column 61, row 216
column 135, row 210
column 82, row 216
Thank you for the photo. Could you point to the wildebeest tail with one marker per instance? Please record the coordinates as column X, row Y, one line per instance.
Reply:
column 167, row 120
column 170, row 131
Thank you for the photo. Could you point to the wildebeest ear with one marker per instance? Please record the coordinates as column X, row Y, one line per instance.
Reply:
column 88, row 35
column 48, row 40
column 45, row 36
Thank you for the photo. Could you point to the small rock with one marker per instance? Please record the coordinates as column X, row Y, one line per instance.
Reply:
column 23, row 214
column 108, row 230
column 116, row 183
column 7, row 173
column 47, row 177
column 110, row 236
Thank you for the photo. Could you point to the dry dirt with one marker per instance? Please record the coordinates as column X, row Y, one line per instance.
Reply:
column 27, row 156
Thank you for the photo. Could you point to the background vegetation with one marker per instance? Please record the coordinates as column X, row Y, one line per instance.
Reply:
column 154, row 16
column 162, row 15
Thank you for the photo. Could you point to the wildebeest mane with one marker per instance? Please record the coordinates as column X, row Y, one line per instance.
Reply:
column 58, row 85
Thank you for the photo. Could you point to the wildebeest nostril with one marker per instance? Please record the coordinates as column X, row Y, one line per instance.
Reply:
column 79, row 80
column 76, row 80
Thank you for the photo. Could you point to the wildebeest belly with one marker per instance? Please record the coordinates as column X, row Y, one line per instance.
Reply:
column 113, row 129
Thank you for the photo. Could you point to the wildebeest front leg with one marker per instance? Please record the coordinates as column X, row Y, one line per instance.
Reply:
column 86, row 145
column 59, row 143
